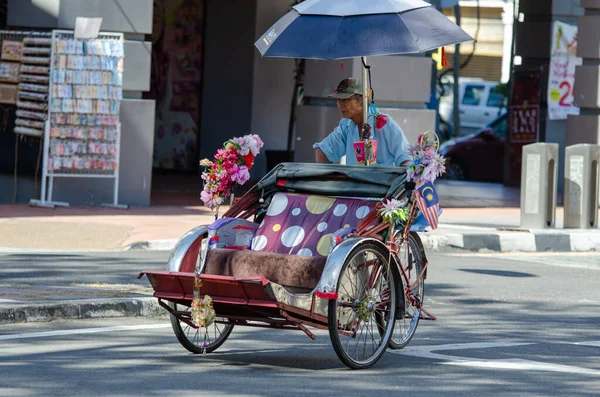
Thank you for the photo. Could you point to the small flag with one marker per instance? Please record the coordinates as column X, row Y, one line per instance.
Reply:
column 428, row 203
column 445, row 63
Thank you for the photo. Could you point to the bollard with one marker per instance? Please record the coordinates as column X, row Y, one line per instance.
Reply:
column 539, row 179
column 581, row 186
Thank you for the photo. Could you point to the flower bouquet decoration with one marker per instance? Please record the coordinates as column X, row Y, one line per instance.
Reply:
column 231, row 166
column 425, row 166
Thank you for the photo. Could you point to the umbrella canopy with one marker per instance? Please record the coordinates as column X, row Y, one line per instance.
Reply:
column 338, row 29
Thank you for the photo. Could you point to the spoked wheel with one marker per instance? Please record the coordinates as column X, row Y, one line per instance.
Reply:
column 407, row 319
column 361, row 319
column 197, row 339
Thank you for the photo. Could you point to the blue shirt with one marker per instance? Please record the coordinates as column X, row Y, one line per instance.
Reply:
column 392, row 145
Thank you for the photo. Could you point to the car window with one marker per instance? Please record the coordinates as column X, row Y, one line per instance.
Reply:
column 495, row 99
column 473, row 95
column 499, row 127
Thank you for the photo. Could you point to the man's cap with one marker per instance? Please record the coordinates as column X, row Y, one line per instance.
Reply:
column 346, row 88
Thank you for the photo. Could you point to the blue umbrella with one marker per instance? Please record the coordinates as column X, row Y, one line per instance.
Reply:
column 337, row 29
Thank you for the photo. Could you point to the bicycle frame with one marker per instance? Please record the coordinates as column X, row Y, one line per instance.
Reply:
column 394, row 247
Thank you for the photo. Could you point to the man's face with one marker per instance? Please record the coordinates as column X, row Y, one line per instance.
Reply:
column 351, row 108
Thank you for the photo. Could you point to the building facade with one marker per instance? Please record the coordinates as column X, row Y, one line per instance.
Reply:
column 193, row 79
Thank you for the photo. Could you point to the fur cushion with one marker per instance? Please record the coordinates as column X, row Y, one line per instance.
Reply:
column 287, row 270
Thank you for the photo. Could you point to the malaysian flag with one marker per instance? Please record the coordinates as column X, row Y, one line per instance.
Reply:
column 428, row 203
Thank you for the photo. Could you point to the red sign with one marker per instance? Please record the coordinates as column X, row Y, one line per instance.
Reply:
column 523, row 118
column 525, row 121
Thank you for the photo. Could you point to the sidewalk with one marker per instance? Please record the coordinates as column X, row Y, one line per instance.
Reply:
column 475, row 216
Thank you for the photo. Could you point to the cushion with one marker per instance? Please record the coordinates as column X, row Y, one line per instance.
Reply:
column 287, row 270
column 302, row 224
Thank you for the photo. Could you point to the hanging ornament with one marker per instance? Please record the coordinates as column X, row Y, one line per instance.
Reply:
column 203, row 313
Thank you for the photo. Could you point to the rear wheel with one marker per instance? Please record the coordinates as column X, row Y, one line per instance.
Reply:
column 407, row 320
column 361, row 319
column 197, row 339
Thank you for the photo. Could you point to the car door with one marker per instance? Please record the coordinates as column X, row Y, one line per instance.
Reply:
column 490, row 151
column 493, row 106
column 471, row 105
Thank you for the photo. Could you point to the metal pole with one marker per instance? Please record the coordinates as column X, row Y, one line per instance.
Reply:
column 365, row 99
column 365, row 77
column 456, row 109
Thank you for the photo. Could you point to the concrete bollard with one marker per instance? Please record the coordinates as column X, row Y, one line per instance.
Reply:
column 581, row 186
column 539, row 177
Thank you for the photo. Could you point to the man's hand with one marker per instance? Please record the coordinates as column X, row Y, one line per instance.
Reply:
column 320, row 156
column 405, row 163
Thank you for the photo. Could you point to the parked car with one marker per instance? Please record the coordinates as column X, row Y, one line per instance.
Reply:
column 478, row 156
column 480, row 104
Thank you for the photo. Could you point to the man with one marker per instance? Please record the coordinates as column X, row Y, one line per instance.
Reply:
column 392, row 143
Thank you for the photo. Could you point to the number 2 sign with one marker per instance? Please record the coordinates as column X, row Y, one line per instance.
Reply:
column 562, row 72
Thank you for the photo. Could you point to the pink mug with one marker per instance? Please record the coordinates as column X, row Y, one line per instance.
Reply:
column 361, row 151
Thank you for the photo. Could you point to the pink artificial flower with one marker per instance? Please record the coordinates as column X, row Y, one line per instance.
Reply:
column 259, row 143
column 207, row 199
column 240, row 174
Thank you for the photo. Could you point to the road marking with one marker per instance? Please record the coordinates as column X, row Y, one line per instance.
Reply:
column 83, row 331
column 593, row 344
column 514, row 364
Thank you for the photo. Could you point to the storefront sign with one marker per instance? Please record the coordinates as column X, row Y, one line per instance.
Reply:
column 523, row 118
column 563, row 61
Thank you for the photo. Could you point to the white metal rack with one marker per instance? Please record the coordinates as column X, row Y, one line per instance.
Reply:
column 49, row 170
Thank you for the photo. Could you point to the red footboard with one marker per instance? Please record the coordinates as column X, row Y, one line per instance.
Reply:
column 222, row 289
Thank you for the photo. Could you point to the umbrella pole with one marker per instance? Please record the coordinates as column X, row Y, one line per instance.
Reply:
column 365, row 99
column 365, row 87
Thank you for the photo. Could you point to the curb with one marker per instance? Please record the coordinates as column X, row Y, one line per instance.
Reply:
column 514, row 241
column 80, row 309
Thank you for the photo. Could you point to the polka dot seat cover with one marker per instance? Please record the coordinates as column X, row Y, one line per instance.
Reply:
column 302, row 224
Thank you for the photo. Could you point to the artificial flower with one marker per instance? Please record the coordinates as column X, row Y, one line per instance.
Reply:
column 240, row 174
column 393, row 212
column 206, row 163
column 231, row 166
column 426, row 164
column 380, row 121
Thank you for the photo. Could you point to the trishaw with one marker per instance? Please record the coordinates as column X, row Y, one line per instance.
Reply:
column 308, row 245
column 304, row 248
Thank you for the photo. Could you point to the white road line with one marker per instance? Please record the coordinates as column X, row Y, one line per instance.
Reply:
column 83, row 331
column 593, row 344
column 526, row 365
column 513, row 364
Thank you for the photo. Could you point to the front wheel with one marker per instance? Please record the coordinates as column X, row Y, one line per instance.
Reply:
column 198, row 340
column 361, row 319
column 410, row 254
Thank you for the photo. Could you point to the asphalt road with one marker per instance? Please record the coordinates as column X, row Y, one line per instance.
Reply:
column 513, row 324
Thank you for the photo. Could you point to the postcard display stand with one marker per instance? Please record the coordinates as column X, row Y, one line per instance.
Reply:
column 83, row 133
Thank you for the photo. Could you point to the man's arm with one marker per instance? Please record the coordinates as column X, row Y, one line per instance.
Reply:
column 320, row 156
column 332, row 148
